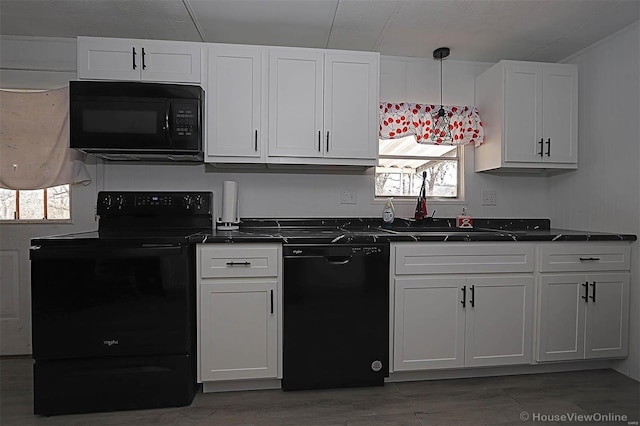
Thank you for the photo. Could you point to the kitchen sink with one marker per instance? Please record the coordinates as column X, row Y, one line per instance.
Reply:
column 438, row 229
column 427, row 230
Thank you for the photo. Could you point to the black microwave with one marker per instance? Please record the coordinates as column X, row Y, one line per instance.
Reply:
column 136, row 121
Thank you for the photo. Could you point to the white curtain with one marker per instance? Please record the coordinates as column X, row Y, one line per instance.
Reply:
column 34, row 141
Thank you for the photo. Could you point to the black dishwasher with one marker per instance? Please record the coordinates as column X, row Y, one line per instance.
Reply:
column 336, row 315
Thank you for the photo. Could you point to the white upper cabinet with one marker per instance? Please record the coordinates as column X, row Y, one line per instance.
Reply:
column 236, row 90
column 351, row 105
column 138, row 60
column 529, row 112
column 295, row 103
column 323, row 107
column 560, row 113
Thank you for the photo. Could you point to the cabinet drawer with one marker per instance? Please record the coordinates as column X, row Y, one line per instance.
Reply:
column 238, row 260
column 584, row 257
column 436, row 258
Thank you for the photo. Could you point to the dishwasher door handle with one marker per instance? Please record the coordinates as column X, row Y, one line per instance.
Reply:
column 337, row 260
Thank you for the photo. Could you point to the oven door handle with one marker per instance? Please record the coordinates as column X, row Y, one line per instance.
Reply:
column 126, row 251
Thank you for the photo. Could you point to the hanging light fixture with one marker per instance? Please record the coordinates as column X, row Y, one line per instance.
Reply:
column 440, row 118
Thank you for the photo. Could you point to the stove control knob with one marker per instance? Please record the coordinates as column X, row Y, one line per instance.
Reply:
column 120, row 201
column 188, row 201
column 107, row 201
column 199, row 201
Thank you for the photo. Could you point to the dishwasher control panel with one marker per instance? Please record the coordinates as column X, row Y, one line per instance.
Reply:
column 314, row 250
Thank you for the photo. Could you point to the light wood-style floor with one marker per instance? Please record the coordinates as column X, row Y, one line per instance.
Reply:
column 479, row 401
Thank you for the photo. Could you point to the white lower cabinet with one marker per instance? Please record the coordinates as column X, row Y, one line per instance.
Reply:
column 238, row 330
column 461, row 319
column 576, row 325
column 583, row 315
column 462, row 322
column 499, row 324
column 239, row 334
column 429, row 323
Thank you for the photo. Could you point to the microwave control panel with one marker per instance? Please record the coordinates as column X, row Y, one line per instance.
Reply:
column 185, row 120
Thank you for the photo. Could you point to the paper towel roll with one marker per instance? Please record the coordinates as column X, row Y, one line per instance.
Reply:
column 230, row 202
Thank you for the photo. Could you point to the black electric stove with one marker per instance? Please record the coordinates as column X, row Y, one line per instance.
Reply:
column 113, row 310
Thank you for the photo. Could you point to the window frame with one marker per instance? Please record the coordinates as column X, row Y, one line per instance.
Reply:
column 411, row 199
column 43, row 220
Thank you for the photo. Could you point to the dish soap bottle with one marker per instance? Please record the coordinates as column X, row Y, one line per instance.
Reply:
column 389, row 212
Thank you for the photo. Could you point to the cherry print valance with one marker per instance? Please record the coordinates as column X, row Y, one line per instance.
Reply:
column 398, row 120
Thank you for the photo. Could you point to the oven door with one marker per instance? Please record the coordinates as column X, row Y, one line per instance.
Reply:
column 94, row 300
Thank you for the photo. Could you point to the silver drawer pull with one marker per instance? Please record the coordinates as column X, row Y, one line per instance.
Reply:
column 583, row 259
column 238, row 263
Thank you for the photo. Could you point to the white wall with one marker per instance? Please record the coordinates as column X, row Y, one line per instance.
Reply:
column 604, row 194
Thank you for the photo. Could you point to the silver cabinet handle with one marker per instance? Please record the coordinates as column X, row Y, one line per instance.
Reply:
column 327, row 141
column 584, row 259
column 256, row 141
column 319, row 137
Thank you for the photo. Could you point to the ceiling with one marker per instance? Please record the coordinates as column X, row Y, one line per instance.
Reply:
column 480, row 30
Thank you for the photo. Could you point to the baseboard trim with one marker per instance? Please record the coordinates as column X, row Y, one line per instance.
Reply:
column 412, row 376
column 463, row 373
column 241, row 385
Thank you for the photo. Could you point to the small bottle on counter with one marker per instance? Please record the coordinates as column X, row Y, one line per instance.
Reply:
column 464, row 220
column 389, row 212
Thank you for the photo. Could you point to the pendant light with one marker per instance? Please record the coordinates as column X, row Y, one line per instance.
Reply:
column 440, row 118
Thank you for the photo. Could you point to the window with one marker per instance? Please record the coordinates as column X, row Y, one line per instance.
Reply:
column 402, row 162
column 48, row 204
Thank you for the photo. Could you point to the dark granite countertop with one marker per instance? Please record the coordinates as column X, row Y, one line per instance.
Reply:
column 371, row 230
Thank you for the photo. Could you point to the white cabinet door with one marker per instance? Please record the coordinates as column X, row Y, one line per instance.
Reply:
column 561, row 306
column 428, row 323
column 295, row 103
column 234, row 101
column 560, row 113
column 135, row 60
column 523, row 113
column 541, row 113
column 607, row 315
column 108, row 59
column 170, row 61
column 238, row 332
column 499, row 322
column 350, row 105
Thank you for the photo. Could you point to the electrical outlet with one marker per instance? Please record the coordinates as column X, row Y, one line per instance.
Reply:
column 488, row 198
column 348, row 197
